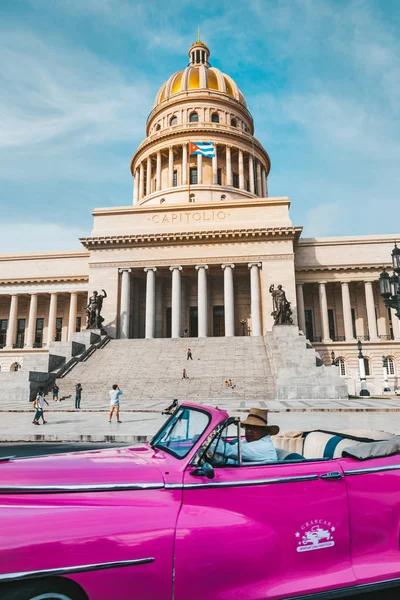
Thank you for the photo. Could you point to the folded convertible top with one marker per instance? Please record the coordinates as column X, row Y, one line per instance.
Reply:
column 364, row 451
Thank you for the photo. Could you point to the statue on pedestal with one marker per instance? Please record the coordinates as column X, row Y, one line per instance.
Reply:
column 282, row 312
column 94, row 319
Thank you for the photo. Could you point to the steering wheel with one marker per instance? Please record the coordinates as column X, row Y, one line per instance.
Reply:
column 216, row 460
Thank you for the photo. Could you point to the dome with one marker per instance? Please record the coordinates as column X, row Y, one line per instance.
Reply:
column 199, row 75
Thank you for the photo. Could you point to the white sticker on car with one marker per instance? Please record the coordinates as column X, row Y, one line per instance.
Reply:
column 316, row 534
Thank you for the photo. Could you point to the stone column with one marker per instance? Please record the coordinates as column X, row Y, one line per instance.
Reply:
column 148, row 176
column 136, row 188
column 30, row 336
column 348, row 323
column 124, row 312
column 395, row 324
column 259, row 184
column 241, row 170
column 51, row 324
column 371, row 318
column 300, row 307
column 73, row 304
column 141, row 181
column 263, row 182
column 158, row 172
column 251, row 174
column 199, row 168
column 229, row 300
column 184, row 164
column 228, row 166
column 176, row 302
column 170, row 167
column 255, row 295
column 12, row 322
column 215, row 166
column 202, row 300
column 323, row 307
column 150, row 302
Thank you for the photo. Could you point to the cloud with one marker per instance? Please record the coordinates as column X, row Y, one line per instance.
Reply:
column 322, row 220
column 38, row 237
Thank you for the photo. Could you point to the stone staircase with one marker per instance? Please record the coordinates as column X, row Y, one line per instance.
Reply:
column 152, row 370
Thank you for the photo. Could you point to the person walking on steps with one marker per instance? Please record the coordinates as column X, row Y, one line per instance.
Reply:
column 56, row 389
column 115, row 393
column 184, row 374
column 39, row 405
column 189, row 354
column 78, row 395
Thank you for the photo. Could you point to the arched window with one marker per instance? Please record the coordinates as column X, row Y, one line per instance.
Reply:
column 390, row 366
column 366, row 366
column 173, row 120
column 158, row 127
column 215, row 118
column 341, row 363
column 194, row 117
column 233, row 122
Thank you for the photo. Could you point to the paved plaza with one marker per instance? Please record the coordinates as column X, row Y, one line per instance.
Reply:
column 66, row 424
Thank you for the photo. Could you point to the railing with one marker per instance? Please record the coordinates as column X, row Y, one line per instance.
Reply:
column 363, row 338
column 315, row 338
column 338, row 338
column 386, row 337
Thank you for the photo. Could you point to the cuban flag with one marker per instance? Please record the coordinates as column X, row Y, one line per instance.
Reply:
column 204, row 148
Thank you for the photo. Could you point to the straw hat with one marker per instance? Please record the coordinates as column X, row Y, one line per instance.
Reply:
column 259, row 418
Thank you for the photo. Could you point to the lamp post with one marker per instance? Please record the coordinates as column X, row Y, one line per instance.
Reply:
column 386, row 387
column 333, row 359
column 389, row 285
column 243, row 323
column 363, row 380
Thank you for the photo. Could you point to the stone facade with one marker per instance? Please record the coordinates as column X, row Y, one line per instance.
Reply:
column 197, row 251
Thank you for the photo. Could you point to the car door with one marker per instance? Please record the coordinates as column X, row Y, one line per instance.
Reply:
column 374, row 503
column 268, row 531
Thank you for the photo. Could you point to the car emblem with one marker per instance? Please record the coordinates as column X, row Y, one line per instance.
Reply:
column 315, row 535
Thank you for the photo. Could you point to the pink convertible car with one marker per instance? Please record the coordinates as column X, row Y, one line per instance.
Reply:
column 172, row 520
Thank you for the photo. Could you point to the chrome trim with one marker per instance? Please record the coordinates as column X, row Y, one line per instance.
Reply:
column 19, row 576
column 6, row 458
column 372, row 470
column 246, row 482
column 63, row 489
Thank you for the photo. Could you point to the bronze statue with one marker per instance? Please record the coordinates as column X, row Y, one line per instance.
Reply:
column 94, row 319
column 282, row 312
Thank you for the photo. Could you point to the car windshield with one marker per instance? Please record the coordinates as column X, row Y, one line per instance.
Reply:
column 182, row 431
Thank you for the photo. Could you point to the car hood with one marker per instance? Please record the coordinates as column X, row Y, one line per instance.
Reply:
column 139, row 466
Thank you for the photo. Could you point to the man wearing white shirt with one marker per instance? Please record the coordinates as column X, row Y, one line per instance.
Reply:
column 258, row 446
column 115, row 393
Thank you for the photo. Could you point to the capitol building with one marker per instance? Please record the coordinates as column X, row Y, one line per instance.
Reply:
column 198, row 250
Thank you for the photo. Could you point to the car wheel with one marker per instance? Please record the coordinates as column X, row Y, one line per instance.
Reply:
column 39, row 591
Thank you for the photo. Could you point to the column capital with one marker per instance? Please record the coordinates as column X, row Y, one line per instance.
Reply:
column 147, row 269
column 254, row 264
column 343, row 283
column 122, row 269
column 197, row 267
column 300, row 284
column 179, row 267
column 224, row 266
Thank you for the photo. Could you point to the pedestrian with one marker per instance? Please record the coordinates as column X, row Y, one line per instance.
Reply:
column 184, row 374
column 78, row 395
column 56, row 389
column 189, row 354
column 185, row 332
column 39, row 405
column 115, row 393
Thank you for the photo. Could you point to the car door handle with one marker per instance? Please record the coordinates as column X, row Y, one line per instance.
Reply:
column 332, row 475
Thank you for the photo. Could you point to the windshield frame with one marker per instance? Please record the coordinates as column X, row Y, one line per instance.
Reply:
column 154, row 444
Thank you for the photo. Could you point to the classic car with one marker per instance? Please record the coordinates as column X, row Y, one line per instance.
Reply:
column 175, row 519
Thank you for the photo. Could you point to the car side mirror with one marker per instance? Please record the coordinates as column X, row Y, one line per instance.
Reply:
column 206, row 470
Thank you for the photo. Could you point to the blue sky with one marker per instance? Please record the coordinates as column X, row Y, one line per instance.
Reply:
column 78, row 79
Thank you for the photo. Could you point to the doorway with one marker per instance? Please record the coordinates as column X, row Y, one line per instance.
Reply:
column 168, row 321
column 218, row 321
column 193, row 321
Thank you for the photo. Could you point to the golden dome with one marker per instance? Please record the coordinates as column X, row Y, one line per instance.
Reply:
column 199, row 75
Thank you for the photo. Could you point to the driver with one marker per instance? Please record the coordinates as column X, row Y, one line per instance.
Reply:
column 258, row 445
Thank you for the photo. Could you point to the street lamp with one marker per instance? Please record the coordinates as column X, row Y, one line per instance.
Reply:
column 333, row 359
column 363, row 380
column 243, row 323
column 389, row 285
column 386, row 387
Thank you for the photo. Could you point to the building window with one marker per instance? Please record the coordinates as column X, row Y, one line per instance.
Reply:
column 308, row 314
column 341, row 363
column 78, row 325
column 193, row 175
column 3, row 332
column 233, row 122
column 353, row 321
column 219, row 176
column 235, row 178
column 58, row 329
column 175, row 179
column 192, row 198
column 390, row 324
column 21, row 324
column 366, row 366
column 194, row 117
column 390, row 366
column 39, row 333
column 215, row 118
column 331, row 322
column 173, row 121
column 158, row 127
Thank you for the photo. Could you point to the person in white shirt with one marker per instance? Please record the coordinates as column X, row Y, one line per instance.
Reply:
column 115, row 393
column 39, row 406
column 258, row 445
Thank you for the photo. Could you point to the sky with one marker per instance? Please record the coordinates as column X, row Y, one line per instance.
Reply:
column 78, row 79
